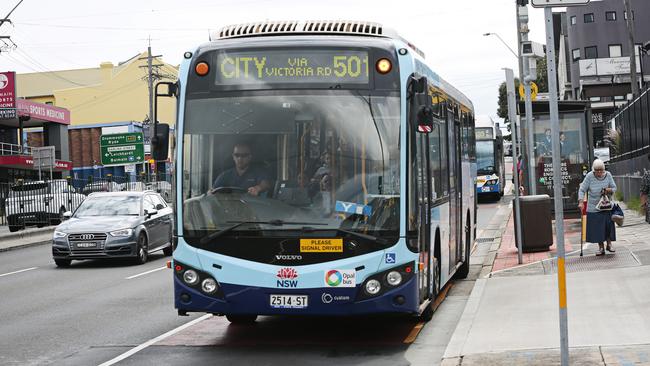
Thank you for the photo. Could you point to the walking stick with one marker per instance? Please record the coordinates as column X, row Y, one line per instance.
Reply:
column 583, row 219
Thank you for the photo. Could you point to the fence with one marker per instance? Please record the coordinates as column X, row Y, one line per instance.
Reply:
column 633, row 124
column 43, row 203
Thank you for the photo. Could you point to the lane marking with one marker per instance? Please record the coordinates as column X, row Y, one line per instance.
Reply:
column 14, row 272
column 148, row 343
column 144, row 273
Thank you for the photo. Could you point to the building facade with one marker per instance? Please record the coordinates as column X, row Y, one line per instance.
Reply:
column 108, row 99
column 598, row 55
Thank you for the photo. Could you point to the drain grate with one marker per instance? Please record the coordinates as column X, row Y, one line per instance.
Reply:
column 484, row 240
column 590, row 262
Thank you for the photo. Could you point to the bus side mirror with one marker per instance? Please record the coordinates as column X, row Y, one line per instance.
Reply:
column 422, row 106
column 160, row 142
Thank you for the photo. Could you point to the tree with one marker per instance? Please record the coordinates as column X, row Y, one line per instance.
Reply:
column 542, row 75
column 503, row 104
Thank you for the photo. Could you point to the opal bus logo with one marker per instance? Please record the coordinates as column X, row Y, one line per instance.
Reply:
column 333, row 278
column 340, row 278
column 287, row 277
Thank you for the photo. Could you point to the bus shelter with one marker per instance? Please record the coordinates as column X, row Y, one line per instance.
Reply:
column 576, row 150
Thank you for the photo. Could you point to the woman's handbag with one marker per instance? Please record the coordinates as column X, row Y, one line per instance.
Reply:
column 604, row 203
column 617, row 214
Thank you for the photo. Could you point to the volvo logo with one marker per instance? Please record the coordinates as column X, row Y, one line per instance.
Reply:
column 86, row 236
column 288, row 257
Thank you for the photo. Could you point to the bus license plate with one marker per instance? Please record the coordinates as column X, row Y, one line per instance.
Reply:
column 486, row 189
column 288, row 301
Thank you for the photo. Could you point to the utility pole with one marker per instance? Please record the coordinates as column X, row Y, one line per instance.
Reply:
column 11, row 45
column 152, row 74
column 524, row 70
column 630, row 34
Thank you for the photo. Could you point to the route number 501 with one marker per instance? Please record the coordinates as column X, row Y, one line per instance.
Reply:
column 349, row 66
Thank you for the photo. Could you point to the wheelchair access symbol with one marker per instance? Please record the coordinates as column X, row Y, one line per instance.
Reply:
column 390, row 258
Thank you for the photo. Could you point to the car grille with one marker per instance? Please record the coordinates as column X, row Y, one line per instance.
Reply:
column 86, row 242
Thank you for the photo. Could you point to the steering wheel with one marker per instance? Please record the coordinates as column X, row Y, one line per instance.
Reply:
column 228, row 190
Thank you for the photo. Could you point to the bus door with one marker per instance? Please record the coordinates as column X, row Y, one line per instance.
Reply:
column 455, row 188
column 424, row 204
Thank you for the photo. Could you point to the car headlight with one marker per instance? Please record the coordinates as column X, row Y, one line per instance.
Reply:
column 59, row 234
column 122, row 233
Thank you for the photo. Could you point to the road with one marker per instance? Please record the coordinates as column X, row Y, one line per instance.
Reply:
column 96, row 311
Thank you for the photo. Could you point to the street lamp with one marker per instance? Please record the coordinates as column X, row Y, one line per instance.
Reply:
column 502, row 41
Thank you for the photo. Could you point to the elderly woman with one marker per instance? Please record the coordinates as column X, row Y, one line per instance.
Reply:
column 600, row 227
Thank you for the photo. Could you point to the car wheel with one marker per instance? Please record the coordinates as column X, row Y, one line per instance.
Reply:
column 241, row 319
column 14, row 228
column 63, row 262
column 141, row 249
column 169, row 250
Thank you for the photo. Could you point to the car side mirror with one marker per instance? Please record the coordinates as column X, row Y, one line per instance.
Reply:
column 67, row 215
column 150, row 213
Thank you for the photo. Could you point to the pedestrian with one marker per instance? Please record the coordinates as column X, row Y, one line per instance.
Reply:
column 645, row 191
column 600, row 227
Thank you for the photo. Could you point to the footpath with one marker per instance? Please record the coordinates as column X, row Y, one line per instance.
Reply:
column 512, row 315
column 24, row 238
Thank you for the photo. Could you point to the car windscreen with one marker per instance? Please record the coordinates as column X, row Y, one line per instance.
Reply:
column 29, row 189
column 109, row 206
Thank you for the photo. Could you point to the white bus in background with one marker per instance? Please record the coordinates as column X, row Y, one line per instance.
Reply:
column 490, row 164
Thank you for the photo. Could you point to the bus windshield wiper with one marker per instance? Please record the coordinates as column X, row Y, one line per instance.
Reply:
column 206, row 239
column 362, row 236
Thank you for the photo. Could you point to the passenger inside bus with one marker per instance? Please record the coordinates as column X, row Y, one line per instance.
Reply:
column 245, row 175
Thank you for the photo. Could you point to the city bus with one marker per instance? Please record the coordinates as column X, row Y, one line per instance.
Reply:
column 490, row 164
column 321, row 168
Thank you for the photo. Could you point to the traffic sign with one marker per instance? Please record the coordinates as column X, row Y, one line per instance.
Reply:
column 122, row 148
column 533, row 91
column 552, row 3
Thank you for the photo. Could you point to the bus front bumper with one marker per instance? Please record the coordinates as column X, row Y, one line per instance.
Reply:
column 321, row 301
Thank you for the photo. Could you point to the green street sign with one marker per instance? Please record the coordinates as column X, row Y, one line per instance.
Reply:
column 122, row 148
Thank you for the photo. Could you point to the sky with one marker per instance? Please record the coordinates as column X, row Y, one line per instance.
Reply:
column 72, row 34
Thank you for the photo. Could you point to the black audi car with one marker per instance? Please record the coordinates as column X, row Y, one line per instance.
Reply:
column 114, row 225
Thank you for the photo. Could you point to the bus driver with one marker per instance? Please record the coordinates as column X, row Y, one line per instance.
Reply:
column 245, row 175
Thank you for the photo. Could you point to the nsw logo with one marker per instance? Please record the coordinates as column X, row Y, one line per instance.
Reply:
column 340, row 278
column 287, row 278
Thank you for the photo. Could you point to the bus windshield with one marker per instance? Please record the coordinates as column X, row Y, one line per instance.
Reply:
column 286, row 163
column 485, row 157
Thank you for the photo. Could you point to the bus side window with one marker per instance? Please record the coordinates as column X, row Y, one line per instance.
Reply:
column 434, row 161
column 444, row 182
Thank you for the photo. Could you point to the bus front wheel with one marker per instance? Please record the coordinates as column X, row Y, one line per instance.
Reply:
column 241, row 319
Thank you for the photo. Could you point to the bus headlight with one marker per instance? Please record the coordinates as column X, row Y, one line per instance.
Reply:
column 394, row 278
column 373, row 287
column 191, row 277
column 209, row 285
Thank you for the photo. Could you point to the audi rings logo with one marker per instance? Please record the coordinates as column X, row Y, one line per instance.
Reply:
column 86, row 236
column 326, row 298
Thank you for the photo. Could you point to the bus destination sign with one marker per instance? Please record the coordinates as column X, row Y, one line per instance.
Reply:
column 254, row 68
column 484, row 133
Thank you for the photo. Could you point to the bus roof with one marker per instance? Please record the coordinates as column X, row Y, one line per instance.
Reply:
column 484, row 121
column 310, row 27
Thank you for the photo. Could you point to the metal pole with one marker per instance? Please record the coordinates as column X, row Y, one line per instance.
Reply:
column 523, row 71
column 530, row 140
column 510, row 86
column 557, row 185
column 630, row 35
